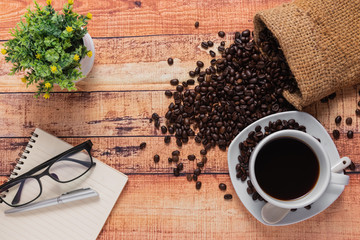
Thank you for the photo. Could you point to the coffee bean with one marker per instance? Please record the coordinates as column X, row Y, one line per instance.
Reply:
column 157, row 123
column 156, row 158
column 200, row 64
column 174, row 82
column 170, row 61
column 222, row 43
column 170, row 160
column 227, row 196
column 348, row 121
column 203, row 152
column 184, row 84
column 221, row 34
column 192, row 74
column 204, row 45
column 180, row 166
column 338, row 119
column 167, row 139
column 198, row 185
column 204, row 159
column 168, row 93
column 175, row 158
column 245, row 33
column 212, row 53
column 142, row 145
column 196, row 24
column 357, row 112
column 222, row 186
column 336, row 134
column 197, row 171
column 176, row 172
column 210, row 43
column 293, row 209
column 190, row 82
column 191, row 157
column 171, row 130
column 350, row 134
column 179, row 88
column 195, row 177
column 308, row 207
column 200, row 164
column 155, row 116
column 189, row 177
column 175, row 153
column 358, row 103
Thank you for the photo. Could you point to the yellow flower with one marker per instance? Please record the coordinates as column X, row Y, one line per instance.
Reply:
column 53, row 69
column 76, row 57
column 48, row 2
column 69, row 29
column 89, row 54
column 46, row 95
column 38, row 56
column 3, row 51
column 23, row 79
column 48, row 85
column 89, row 16
column 71, row 2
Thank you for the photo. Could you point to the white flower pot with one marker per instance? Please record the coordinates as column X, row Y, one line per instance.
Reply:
column 86, row 62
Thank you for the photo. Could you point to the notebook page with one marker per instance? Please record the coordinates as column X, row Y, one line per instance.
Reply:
column 82, row 219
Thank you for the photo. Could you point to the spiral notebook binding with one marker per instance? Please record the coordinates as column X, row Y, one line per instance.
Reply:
column 22, row 156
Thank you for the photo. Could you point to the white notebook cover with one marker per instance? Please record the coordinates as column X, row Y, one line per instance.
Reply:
column 80, row 220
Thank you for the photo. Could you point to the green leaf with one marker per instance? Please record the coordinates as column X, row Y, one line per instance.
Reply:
column 51, row 55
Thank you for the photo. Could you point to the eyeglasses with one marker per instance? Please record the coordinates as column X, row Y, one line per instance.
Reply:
column 63, row 168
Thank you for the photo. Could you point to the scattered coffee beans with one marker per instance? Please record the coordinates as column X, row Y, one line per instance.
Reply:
column 189, row 177
column 336, row 134
column 175, row 153
column 227, row 196
column 198, row 185
column 222, row 186
column 163, row 129
column 348, row 121
column 174, row 82
column 350, row 134
column 167, row 139
column 156, row 158
column 142, row 145
column 168, row 93
column 221, row 34
column 338, row 119
column 170, row 61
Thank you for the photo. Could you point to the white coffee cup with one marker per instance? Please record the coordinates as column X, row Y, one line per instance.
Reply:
column 276, row 209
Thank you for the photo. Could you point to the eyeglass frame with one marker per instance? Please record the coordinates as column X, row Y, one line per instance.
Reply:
column 87, row 145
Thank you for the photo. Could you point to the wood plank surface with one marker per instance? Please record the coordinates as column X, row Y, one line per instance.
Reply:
column 115, row 18
column 112, row 107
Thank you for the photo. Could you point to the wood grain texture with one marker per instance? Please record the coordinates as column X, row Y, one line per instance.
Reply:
column 114, row 18
column 133, row 40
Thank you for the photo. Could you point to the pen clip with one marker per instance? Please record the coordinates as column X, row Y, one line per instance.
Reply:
column 75, row 191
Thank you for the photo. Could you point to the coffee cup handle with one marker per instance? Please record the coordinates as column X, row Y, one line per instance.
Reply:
column 337, row 178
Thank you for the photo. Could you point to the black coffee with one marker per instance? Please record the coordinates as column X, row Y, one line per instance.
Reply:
column 286, row 168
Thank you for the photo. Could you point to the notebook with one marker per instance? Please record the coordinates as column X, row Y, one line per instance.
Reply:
column 78, row 220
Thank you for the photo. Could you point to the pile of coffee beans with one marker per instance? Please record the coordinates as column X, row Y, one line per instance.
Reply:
column 234, row 91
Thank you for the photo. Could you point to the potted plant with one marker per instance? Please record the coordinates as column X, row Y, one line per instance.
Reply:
column 51, row 47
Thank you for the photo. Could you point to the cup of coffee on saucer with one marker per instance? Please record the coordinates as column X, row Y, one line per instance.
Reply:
column 290, row 169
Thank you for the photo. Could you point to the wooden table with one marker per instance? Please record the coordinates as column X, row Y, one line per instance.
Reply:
column 133, row 40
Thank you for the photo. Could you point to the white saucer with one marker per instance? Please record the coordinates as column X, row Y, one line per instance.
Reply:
column 314, row 128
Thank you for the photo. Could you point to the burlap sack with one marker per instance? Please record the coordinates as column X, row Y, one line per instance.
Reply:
column 321, row 42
